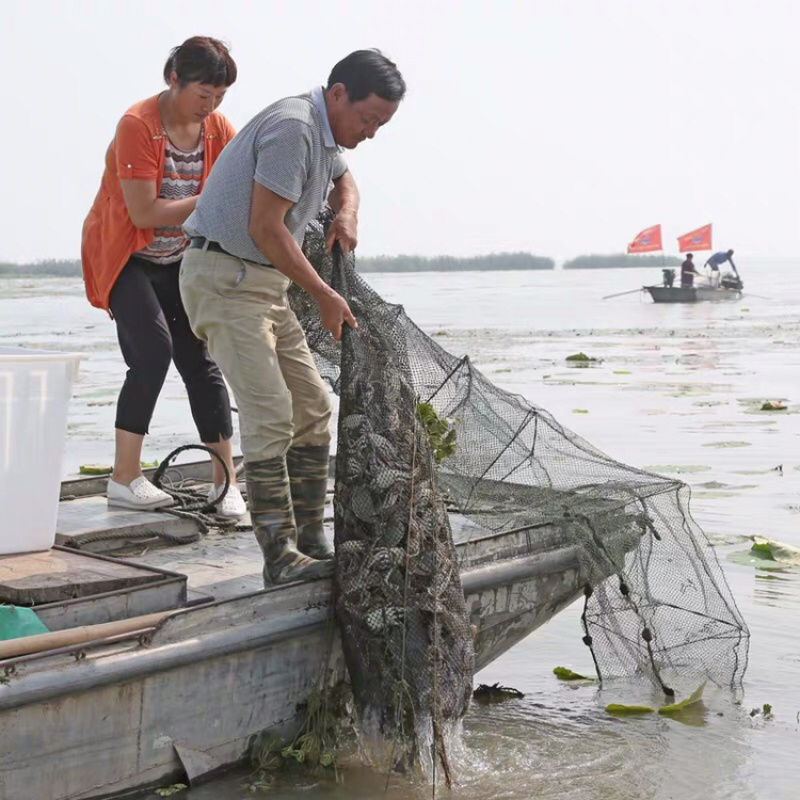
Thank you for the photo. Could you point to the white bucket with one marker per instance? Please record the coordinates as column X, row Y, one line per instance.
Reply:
column 35, row 387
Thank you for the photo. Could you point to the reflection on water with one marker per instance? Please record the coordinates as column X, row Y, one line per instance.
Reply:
column 677, row 386
column 781, row 591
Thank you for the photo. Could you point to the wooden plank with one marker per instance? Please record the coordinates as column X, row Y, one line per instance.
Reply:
column 91, row 518
column 56, row 575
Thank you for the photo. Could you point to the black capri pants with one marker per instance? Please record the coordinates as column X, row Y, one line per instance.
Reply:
column 153, row 329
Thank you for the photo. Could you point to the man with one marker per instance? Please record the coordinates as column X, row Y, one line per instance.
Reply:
column 687, row 272
column 716, row 261
column 247, row 229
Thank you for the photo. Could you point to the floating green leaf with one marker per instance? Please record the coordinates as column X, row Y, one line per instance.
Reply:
column 761, row 546
column 95, row 469
column 580, row 410
column 695, row 697
column 617, row 709
column 776, row 551
column 580, row 357
column 678, row 468
column 755, row 558
column 565, row 674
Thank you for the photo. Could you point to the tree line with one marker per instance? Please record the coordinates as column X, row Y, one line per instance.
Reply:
column 50, row 268
column 67, row 268
column 597, row 261
column 492, row 261
column 495, row 261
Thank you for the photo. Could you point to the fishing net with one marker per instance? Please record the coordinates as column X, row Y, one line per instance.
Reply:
column 421, row 431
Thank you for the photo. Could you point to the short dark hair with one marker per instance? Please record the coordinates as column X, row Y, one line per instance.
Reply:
column 366, row 72
column 201, row 59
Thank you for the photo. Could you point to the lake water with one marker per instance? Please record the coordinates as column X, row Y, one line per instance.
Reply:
column 677, row 391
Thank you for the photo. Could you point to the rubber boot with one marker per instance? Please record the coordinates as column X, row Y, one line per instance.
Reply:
column 308, row 480
column 273, row 524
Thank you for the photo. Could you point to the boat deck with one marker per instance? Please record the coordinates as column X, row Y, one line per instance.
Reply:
column 218, row 565
column 168, row 562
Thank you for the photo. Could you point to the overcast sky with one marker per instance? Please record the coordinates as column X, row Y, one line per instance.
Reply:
column 558, row 127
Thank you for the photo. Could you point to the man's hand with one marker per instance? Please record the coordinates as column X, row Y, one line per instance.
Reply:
column 343, row 229
column 334, row 312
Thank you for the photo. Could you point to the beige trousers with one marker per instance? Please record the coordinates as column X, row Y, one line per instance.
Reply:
column 240, row 310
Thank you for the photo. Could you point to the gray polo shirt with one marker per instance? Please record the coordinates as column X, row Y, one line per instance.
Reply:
column 288, row 148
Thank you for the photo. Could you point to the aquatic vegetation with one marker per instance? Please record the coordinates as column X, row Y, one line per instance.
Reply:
column 773, row 405
column 695, row 697
column 767, row 554
column 168, row 791
column 677, row 468
column 323, row 728
column 755, row 559
column 95, row 469
column 776, row 551
column 441, row 433
column 107, row 469
column 765, row 712
column 580, row 411
column 495, row 693
column 566, row 674
column 619, row 709
column 581, row 358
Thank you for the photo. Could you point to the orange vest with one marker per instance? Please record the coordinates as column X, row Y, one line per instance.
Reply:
column 136, row 151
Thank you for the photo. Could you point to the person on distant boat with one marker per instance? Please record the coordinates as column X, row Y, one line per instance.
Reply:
column 245, row 252
column 688, row 272
column 715, row 262
column 131, row 251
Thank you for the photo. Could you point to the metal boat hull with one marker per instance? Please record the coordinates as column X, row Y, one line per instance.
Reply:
column 212, row 678
column 694, row 294
column 115, row 716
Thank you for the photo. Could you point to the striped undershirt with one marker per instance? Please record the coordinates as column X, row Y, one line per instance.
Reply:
column 182, row 175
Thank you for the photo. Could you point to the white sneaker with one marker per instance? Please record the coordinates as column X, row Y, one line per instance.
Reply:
column 232, row 504
column 140, row 495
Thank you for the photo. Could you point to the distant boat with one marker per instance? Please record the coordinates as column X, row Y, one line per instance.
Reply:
column 692, row 294
column 649, row 240
column 730, row 288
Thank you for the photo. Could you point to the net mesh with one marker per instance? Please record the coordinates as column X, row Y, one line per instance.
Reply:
column 418, row 425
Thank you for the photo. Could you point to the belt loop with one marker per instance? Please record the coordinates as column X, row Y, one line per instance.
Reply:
column 206, row 243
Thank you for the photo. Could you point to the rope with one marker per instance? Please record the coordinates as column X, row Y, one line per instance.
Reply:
column 193, row 504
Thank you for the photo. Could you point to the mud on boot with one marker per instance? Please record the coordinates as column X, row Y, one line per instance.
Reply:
column 274, row 526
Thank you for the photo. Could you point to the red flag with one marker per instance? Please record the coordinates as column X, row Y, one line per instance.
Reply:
column 646, row 241
column 699, row 239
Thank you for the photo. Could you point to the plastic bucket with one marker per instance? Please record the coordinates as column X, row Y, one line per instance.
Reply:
column 35, row 387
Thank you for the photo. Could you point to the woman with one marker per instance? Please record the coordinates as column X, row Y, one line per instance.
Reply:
column 131, row 251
